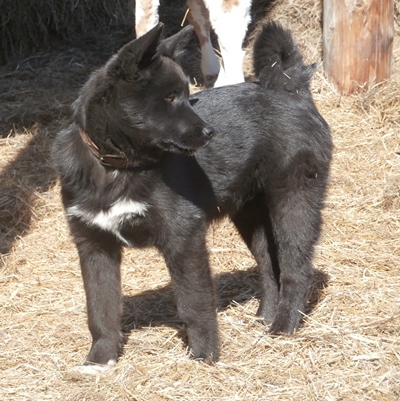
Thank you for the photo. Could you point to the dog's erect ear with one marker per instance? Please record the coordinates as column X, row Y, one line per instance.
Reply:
column 137, row 54
column 174, row 46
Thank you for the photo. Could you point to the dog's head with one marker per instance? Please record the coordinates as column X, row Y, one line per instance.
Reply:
column 138, row 103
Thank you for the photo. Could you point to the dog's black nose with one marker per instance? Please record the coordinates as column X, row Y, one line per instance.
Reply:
column 208, row 131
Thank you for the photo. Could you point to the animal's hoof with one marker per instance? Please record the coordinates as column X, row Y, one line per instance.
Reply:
column 209, row 80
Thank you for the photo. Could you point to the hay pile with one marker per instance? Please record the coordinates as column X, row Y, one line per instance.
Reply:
column 348, row 347
column 26, row 25
column 31, row 26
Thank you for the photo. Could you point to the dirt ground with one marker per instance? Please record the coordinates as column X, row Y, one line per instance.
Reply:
column 348, row 347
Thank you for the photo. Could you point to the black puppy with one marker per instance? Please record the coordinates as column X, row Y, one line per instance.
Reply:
column 143, row 164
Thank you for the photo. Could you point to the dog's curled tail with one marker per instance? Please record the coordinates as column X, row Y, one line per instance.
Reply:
column 278, row 64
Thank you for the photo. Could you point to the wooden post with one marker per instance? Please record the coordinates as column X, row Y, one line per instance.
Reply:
column 358, row 42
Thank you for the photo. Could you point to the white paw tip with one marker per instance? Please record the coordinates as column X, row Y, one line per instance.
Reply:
column 94, row 369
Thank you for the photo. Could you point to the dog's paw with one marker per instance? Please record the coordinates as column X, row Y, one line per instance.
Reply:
column 204, row 343
column 209, row 358
column 93, row 369
column 266, row 313
column 283, row 325
column 207, row 353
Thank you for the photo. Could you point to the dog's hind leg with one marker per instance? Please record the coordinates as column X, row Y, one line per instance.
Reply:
column 254, row 225
column 100, row 258
column 296, row 224
column 187, row 260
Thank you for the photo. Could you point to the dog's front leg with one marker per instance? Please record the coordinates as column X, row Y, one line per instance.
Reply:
column 187, row 260
column 100, row 258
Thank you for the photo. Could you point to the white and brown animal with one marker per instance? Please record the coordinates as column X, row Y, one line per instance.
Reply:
column 228, row 18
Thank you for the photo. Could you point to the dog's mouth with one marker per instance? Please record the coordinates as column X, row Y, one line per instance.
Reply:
column 175, row 148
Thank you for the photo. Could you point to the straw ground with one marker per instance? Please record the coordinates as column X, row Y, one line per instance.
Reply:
column 348, row 347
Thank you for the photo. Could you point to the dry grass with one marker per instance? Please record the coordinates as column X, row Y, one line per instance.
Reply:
column 27, row 25
column 348, row 347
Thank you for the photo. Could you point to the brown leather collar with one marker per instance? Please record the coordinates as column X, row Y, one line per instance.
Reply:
column 119, row 161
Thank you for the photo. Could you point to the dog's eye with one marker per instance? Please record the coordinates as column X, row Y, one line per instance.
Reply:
column 170, row 98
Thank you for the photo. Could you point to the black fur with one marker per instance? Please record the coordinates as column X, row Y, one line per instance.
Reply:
column 257, row 152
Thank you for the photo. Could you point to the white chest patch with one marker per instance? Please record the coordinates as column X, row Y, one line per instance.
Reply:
column 111, row 219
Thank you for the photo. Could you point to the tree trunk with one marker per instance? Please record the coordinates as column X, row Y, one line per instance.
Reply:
column 358, row 42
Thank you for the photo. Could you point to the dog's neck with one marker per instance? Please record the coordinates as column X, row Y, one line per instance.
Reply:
column 118, row 160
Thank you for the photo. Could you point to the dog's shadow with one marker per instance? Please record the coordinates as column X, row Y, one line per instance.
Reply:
column 157, row 307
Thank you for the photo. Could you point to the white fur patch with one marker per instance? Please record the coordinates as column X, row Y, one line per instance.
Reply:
column 111, row 219
column 210, row 66
column 230, row 24
column 93, row 369
column 146, row 15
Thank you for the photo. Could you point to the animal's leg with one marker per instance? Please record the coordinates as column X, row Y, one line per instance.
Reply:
column 200, row 19
column 230, row 21
column 254, row 226
column 187, row 260
column 296, row 224
column 100, row 258
column 146, row 16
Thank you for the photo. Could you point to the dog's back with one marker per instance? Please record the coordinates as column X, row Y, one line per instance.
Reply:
column 273, row 124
